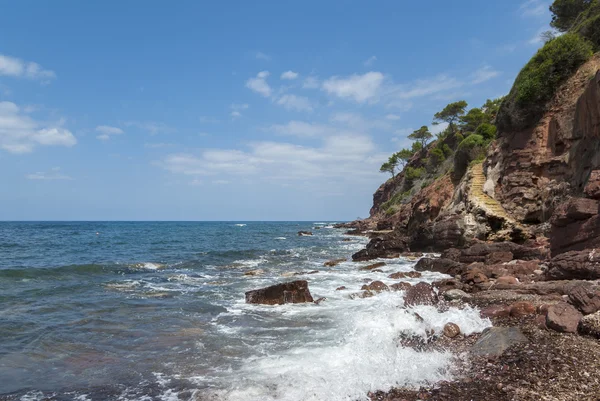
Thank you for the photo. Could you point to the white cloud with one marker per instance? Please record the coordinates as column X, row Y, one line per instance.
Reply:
column 437, row 128
column 311, row 83
column 107, row 131
column 262, row 56
column 302, row 129
column 484, row 74
column 289, row 75
column 208, row 120
column 14, row 67
column 356, row 122
column 293, row 102
column 534, row 8
column 425, row 87
column 19, row 133
column 368, row 62
column 152, row 127
column 259, row 84
column 235, row 110
column 360, row 88
column 339, row 158
column 53, row 174
column 392, row 117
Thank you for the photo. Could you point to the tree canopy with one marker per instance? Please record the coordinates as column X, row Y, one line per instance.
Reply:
column 451, row 113
column 565, row 13
column 422, row 136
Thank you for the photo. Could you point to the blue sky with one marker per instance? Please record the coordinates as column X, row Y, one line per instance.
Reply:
column 234, row 110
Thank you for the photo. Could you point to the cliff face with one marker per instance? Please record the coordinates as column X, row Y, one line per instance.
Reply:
column 531, row 172
column 537, row 183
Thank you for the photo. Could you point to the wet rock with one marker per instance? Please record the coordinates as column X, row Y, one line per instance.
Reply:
column 448, row 284
column 584, row 265
column 495, row 258
column 495, row 340
column 399, row 275
column 256, row 272
column 507, row 280
column 585, row 298
column 451, row 330
column 495, row 311
column 304, row 233
column 402, row 286
column 474, row 275
column 479, row 252
column 278, row 294
column 375, row 286
column 382, row 247
column 334, row 262
column 373, row 266
column 340, row 288
column 520, row 309
column 347, row 240
column 590, row 325
column 364, row 294
column 440, row 265
column 455, row 294
column 355, row 231
column 563, row 318
column 420, row 294
column 318, row 301
column 303, row 273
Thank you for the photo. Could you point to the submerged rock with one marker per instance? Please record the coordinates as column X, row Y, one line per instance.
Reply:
column 278, row 294
column 495, row 340
column 256, row 272
column 376, row 286
column 334, row 262
column 304, row 233
column 373, row 266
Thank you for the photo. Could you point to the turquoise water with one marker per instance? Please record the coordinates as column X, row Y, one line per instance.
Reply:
column 155, row 310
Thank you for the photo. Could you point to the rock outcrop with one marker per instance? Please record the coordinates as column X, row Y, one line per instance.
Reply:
column 293, row 292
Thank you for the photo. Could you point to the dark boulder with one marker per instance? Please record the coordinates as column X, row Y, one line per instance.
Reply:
column 440, row 265
column 399, row 275
column 382, row 247
column 375, row 286
column 563, row 318
column 585, row 298
column 583, row 265
column 373, row 266
column 293, row 292
column 420, row 294
column 334, row 262
column 304, row 233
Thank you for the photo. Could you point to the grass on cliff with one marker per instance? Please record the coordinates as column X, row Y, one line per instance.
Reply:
column 537, row 82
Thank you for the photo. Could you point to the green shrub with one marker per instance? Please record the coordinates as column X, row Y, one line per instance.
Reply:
column 540, row 78
column 446, row 149
column 411, row 173
column 473, row 147
column 588, row 23
column 396, row 199
column 472, row 141
column 487, row 131
column 436, row 156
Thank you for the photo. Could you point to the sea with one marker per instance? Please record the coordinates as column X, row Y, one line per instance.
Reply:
column 156, row 311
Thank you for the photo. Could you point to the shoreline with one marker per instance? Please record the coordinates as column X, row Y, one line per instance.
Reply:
column 551, row 362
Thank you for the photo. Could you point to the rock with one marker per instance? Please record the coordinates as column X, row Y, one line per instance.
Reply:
column 364, row 294
column 292, row 292
column 420, row 294
column 304, row 233
column 402, row 286
column 334, row 262
column 304, row 273
column 479, row 252
column 454, row 294
column 377, row 271
column 584, row 265
column 496, row 258
column 590, row 325
column 256, row 272
column 592, row 188
column 373, row 266
column 399, row 275
column 448, row 284
column 563, row 318
column 356, row 231
column 375, row 286
column 507, row 280
column 451, row 330
column 440, row 265
column 495, row 340
column 520, row 309
column 495, row 311
column 573, row 210
column 390, row 245
column 318, row 301
column 288, row 274
column 474, row 275
column 346, row 240
column 340, row 288
column 585, row 298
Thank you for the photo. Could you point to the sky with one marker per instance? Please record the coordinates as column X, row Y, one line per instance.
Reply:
column 234, row 110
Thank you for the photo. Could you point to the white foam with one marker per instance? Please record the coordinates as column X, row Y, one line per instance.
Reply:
column 149, row 266
column 281, row 238
column 240, row 225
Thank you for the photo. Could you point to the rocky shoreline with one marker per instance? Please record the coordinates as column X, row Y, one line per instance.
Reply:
column 544, row 343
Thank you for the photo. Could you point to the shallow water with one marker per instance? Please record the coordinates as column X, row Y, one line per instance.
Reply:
column 156, row 311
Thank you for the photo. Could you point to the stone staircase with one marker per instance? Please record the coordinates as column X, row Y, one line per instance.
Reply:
column 492, row 208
